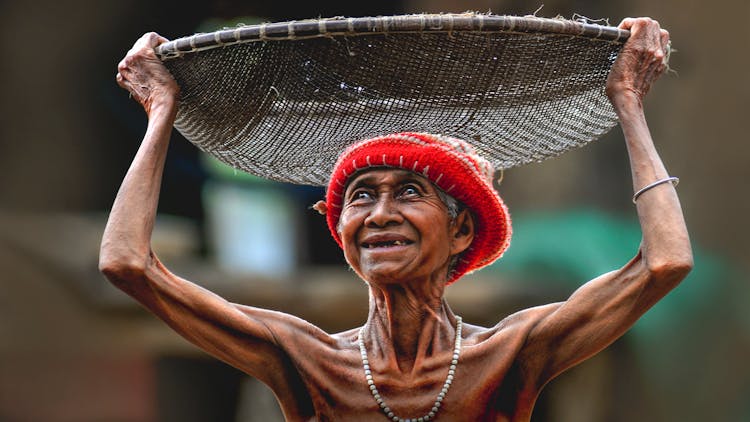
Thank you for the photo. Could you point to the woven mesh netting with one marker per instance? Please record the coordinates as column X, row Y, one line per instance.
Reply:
column 284, row 109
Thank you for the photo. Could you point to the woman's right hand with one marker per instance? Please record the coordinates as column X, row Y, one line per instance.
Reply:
column 144, row 75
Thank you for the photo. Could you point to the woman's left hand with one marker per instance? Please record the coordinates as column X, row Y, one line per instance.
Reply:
column 642, row 60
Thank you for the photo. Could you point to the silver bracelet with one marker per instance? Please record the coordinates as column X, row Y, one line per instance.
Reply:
column 674, row 180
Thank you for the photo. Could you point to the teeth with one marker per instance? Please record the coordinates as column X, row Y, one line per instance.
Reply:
column 385, row 244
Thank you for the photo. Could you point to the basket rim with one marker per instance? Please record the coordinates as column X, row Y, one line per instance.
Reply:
column 381, row 25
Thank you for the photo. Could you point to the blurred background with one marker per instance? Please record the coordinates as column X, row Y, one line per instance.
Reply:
column 72, row 348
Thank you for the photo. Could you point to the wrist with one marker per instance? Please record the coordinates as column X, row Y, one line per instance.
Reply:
column 626, row 100
column 161, row 105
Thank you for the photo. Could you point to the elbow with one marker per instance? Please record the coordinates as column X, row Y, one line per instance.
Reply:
column 120, row 269
column 672, row 270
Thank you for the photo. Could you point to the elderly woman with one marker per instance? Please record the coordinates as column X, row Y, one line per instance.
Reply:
column 413, row 213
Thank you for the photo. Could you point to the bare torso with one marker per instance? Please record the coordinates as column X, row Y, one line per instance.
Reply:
column 329, row 384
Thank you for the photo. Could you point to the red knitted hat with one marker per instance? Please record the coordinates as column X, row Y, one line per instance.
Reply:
column 449, row 163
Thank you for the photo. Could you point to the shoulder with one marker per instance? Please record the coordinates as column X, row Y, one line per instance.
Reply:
column 517, row 325
column 495, row 359
column 286, row 330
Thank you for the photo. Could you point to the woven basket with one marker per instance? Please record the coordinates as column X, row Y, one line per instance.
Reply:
column 281, row 100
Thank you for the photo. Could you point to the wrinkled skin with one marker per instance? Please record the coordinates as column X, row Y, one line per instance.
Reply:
column 388, row 205
column 410, row 328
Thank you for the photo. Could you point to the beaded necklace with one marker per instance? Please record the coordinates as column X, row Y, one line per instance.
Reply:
column 446, row 386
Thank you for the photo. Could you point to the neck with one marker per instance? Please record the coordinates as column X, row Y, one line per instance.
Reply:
column 406, row 325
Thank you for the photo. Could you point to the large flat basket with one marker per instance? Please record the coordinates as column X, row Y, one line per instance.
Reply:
column 281, row 100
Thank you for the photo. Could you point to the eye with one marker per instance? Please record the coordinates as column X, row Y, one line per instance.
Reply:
column 360, row 195
column 410, row 190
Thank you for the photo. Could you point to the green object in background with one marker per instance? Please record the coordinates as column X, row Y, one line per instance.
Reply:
column 565, row 249
column 226, row 173
column 689, row 350
column 568, row 247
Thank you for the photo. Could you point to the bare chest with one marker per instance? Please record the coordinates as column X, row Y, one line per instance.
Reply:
column 484, row 387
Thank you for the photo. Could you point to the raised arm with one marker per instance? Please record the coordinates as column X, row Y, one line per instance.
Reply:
column 603, row 309
column 238, row 335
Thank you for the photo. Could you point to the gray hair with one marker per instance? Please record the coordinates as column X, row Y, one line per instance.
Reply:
column 454, row 207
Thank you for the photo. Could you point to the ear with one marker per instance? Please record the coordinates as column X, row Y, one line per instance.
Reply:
column 462, row 232
column 320, row 207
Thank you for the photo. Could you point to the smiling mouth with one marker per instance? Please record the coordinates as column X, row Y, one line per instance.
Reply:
column 386, row 244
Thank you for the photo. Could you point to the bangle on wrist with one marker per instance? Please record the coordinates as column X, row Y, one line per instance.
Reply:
column 674, row 180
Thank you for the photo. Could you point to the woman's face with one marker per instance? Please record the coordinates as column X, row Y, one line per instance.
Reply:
column 395, row 228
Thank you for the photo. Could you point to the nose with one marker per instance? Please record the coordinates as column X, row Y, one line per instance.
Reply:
column 384, row 212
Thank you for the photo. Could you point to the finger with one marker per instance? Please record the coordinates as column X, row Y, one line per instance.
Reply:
column 155, row 39
column 146, row 42
column 664, row 34
column 648, row 30
column 626, row 23
column 665, row 42
column 142, row 41
column 159, row 41
column 657, row 54
column 123, row 83
column 653, row 40
column 641, row 32
column 655, row 32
